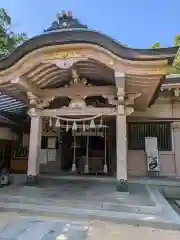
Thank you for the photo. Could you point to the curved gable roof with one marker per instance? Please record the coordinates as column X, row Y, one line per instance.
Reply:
column 68, row 30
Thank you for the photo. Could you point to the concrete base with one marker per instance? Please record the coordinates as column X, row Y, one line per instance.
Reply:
column 122, row 186
column 91, row 199
column 178, row 203
column 31, row 180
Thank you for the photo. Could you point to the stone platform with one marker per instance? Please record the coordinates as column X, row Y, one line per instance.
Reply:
column 91, row 199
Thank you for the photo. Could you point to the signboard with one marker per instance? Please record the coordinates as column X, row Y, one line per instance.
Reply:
column 47, row 155
column 51, row 143
column 43, row 156
column 89, row 133
column 151, row 149
column 51, row 155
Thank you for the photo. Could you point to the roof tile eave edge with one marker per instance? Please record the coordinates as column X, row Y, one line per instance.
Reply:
column 131, row 53
column 66, row 30
column 111, row 38
column 98, row 32
column 173, row 75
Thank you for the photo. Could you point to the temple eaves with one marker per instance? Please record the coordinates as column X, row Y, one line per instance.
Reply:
column 64, row 21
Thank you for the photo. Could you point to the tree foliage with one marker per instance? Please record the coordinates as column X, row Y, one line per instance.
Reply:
column 155, row 45
column 176, row 42
column 9, row 40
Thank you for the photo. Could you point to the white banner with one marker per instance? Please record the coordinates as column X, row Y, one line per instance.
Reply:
column 151, row 149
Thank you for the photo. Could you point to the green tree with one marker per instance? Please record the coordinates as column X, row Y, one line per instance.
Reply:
column 155, row 45
column 176, row 41
column 176, row 65
column 9, row 40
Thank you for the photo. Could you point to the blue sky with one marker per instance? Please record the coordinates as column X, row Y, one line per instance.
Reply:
column 136, row 23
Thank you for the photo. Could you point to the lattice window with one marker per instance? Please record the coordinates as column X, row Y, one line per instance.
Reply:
column 138, row 131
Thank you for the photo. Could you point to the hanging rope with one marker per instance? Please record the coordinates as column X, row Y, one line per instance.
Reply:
column 81, row 119
column 78, row 119
column 86, row 166
column 84, row 127
column 105, row 170
column 74, row 155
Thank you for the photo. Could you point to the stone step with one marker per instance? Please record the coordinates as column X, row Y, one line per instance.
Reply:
column 102, row 206
column 155, row 221
column 171, row 192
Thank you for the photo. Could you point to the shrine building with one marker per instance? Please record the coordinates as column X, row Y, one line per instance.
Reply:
column 74, row 100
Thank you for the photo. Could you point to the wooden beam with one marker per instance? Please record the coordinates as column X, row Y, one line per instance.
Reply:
column 71, row 92
column 88, row 111
column 170, row 85
column 80, row 91
column 27, row 86
column 120, row 80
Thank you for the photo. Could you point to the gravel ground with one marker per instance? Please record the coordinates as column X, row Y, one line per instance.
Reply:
column 107, row 231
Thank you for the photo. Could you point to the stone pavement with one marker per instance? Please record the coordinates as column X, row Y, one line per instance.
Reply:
column 90, row 199
column 16, row 227
column 69, row 191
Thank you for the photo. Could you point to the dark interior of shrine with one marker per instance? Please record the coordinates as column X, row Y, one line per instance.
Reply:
column 93, row 147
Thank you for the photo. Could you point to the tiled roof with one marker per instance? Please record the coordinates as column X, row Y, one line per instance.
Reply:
column 85, row 36
column 12, row 111
column 172, row 78
column 4, row 120
column 11, row 105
